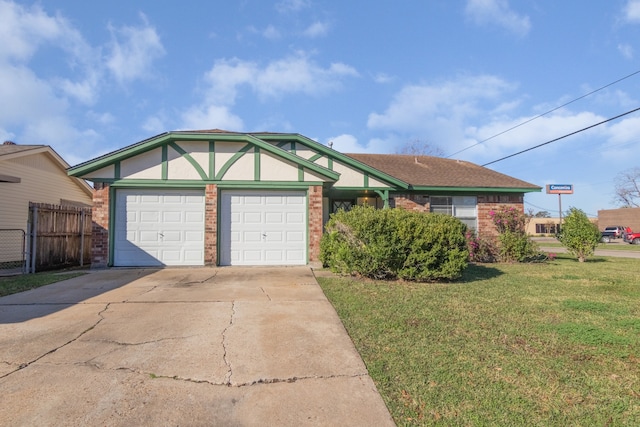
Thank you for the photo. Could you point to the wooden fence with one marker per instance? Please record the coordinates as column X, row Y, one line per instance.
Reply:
column 57, row 237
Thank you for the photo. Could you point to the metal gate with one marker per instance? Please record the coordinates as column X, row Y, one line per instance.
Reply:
column 12, row 252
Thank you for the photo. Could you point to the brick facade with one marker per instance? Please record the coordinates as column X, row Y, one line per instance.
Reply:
column 211, row 224
column 488, row 203
column 100, row 226
column 315, row 222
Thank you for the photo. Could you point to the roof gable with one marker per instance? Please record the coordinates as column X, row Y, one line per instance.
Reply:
column 156, row 147
column 9, row 152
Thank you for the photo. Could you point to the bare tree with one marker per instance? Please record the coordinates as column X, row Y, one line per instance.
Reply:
column 627, row 190
column 417, row 147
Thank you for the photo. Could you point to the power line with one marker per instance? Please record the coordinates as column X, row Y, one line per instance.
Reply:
column 544, row 114
column 564, row 136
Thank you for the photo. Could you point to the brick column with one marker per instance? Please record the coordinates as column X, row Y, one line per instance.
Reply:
column 100, row 226
column 211, row 224
column 315, row 222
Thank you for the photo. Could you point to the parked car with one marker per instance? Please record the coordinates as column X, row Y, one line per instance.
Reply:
column 633, row 238
column 613, row 232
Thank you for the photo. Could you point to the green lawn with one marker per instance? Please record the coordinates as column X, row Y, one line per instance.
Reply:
column 608, row 246
column 555, row 344
column 14, row 284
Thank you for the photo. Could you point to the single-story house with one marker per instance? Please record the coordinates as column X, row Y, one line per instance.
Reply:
column 32, row 173
column 35, row 173
column 215, row 197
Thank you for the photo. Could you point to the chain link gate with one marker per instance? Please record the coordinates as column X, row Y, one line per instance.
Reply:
column 12, row 252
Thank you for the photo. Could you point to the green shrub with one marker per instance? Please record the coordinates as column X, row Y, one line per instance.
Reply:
column 394, row 243
column 579, row 235
column 481, row 248
column 514, row 244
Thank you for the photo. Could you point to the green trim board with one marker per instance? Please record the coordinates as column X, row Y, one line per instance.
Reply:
column 189, row 158
column 334, row 156
column 165, row 139
column 241, row 152
column 212, row 159
column 474, row 190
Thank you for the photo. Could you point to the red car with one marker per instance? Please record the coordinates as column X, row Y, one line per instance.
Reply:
column 633, row 238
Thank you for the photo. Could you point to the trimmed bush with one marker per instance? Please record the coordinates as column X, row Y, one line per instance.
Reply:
column 394, row 243
column 514, row 244
column 579, row 235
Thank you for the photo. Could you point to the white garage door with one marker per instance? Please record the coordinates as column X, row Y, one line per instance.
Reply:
column 159, row 227
column 263, row 228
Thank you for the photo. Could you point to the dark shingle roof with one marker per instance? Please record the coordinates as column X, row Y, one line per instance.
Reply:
column 429, row 171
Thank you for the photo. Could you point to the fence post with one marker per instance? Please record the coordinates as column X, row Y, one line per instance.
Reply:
column 82, row 237
column 27, row 242
column 34, row 239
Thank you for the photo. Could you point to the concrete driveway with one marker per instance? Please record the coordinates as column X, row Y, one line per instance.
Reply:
column 182, row 347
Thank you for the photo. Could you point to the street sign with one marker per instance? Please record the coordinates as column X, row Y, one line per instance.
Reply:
column 559, row 188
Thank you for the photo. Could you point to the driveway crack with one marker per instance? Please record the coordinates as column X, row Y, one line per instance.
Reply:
column 296, row 379
column 25, row 364
column 227, row 378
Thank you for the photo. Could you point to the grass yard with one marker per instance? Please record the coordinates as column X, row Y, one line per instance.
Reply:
column 14, row 284
column 555, row 344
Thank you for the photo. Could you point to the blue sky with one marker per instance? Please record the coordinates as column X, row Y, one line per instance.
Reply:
column 91, row 77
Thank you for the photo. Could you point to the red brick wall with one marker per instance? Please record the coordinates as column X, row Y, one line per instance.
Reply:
column 315, row 222
column 488, row 203
column 211, row 224
column 100, row 226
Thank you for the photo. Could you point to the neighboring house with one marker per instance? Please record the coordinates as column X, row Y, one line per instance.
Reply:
column 35, row 173
column 223, row 198
column 32, row 173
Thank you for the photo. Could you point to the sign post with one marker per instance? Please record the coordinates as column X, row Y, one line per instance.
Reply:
column 560, row 189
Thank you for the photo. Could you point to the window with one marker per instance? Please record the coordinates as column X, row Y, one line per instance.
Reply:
column 342, row 204
column 461, row 207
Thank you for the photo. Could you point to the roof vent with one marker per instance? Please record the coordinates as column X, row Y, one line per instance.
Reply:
column 9, row 143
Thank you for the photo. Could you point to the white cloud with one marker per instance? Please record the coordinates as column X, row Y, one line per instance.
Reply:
column 154, row 125
column 133, row 51
column 626, row 50
column 497, row 12
column 346, row 143
column 293, row 74
column 632, row 11
column 211, row 117
column 285, row 6
column 383, row 78
column 418, row 108
column 317, row 29
column 271, row 33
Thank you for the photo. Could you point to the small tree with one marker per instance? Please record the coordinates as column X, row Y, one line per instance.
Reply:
column 579, row 235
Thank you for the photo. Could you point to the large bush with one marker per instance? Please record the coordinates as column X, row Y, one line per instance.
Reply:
column 579, row 235
column 514, row 245
column 394, row 243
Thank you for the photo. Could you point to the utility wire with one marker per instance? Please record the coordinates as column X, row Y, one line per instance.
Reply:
column 544, row 114
column 564, row 136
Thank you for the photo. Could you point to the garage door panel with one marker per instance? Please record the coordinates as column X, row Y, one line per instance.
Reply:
column 172, row 216
column 263, row 227
column 159, row 227
column 274, row 217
